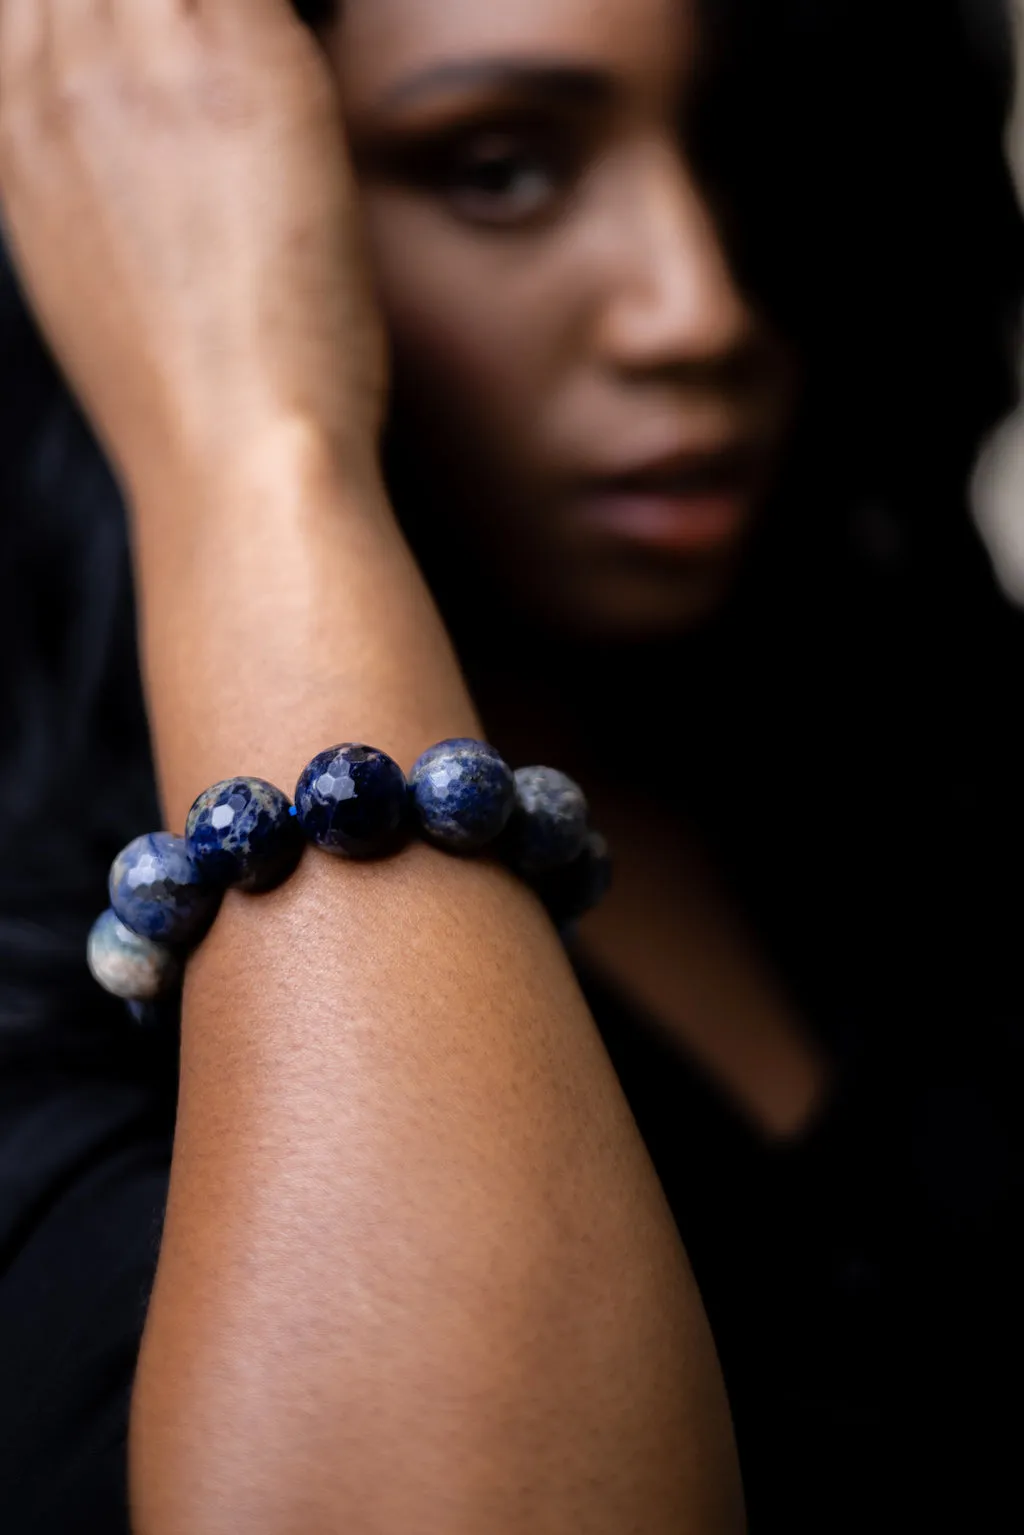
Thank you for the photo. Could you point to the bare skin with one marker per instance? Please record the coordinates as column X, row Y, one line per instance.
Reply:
column 572, row 312
column 572, row 315
column 417, row 1270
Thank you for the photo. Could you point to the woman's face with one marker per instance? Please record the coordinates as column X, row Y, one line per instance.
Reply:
column 598, row 403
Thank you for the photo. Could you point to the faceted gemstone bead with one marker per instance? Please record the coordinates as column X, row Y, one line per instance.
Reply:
column 577, row 887
column 242, row 832
column 352, row 799
column 128, row 965
column 548, row 826
column 158, row 892
column 462, row 793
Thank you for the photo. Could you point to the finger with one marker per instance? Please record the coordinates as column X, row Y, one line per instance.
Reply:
column 152, row 15
column 238, row 11
column 78, row 30
column 155, row 35
column 24, row 38
column 253, row 19
column 161, row 24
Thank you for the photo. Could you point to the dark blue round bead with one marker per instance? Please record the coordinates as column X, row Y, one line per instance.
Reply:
column 158, row 892
column 548, row 826
column 242, row 832
column 352, row 799
column 462, row 793
column 577, row 887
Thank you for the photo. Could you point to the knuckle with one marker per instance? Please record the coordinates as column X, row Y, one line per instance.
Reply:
column 97, row 98
column 67, row 102
column 72, row 96
column 222, row 93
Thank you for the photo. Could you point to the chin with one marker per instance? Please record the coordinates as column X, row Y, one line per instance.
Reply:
column 633, row 606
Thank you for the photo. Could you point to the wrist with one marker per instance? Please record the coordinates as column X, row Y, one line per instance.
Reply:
column 289, row 468
column 281, row 610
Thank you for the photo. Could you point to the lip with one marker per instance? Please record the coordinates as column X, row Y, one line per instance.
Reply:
column 683, row 502
column 722, row 458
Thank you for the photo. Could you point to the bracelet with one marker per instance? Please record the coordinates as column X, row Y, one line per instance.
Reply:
column 353, row 801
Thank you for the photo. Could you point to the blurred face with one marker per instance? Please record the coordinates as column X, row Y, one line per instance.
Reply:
column 596, row 403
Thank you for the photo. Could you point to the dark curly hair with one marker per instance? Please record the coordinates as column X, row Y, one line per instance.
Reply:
column 855, row 151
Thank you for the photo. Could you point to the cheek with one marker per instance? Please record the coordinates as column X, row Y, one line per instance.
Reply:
column 480, row 332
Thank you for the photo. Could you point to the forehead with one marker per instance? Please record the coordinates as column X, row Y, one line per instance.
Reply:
column 380, row 42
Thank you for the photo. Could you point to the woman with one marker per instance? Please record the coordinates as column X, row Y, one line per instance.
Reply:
column 684, row 394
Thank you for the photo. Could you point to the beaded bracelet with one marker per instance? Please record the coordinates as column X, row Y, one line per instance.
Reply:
column 352, row 800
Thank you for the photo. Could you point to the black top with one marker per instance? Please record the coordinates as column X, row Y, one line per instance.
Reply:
column 86, row 1116
column 862, row 1283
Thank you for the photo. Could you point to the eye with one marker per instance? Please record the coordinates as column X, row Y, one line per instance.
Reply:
column 503, row 169
column 499, row 177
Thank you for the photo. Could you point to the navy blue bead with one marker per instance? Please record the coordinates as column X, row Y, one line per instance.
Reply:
column 352, row 799
column 158, row 892
column 462, row 793
column 242, row 832
column 548, row 826
column 576, row 888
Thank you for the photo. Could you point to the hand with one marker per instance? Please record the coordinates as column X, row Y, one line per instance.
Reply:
column 176, row 194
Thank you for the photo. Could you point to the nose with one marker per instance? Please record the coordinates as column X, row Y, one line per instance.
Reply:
column 670, row 304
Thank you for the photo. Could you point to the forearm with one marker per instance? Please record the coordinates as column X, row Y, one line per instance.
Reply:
column 281, row 612
column 417, row 1272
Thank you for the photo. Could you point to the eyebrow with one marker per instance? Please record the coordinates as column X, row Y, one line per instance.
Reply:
column 543, row 80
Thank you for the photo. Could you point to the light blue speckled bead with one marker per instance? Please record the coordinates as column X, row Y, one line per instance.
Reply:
column 157, row 891
column 548, row 827
column 244, row 832
column 128, row 966
column 462, row 792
